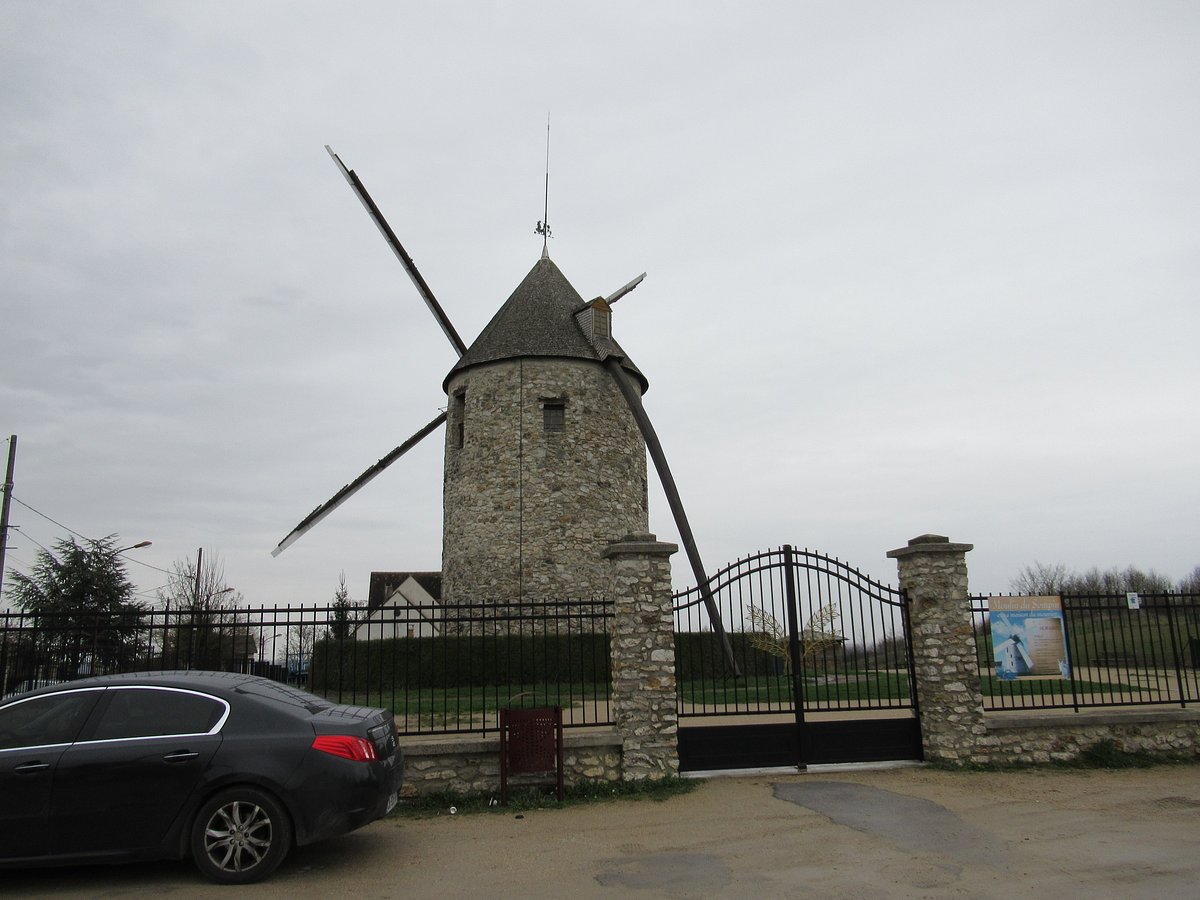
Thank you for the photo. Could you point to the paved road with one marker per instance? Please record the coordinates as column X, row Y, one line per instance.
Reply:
column 907, row 833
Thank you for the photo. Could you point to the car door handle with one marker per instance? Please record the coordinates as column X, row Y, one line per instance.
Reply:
column 31, row 767
column 180, row 756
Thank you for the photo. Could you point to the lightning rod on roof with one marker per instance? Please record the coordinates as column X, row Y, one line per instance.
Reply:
column 543, row 226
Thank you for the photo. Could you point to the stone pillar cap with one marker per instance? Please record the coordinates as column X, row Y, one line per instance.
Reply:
column 642, row 543
column 930, row 543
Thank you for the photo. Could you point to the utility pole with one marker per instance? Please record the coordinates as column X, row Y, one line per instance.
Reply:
column 8, row 487
column 195, row 606
column 199, row 557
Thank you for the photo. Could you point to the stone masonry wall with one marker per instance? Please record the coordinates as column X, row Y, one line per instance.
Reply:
column 471, row 765
column 933, row 571
column 643, row 744
column 955, row 729
column 643, row 656
column 527, row 513
column 1037, row 739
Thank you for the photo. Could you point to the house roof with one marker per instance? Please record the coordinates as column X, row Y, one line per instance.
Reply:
column 384, row 584
column 538, row 320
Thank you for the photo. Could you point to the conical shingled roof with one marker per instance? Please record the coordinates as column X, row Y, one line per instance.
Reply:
column 539, row 320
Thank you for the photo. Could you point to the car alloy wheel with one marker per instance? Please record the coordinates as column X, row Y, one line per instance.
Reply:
column 239, row 836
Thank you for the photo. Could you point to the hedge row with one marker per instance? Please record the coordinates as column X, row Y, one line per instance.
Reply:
column 699, row 656
column 450, row 661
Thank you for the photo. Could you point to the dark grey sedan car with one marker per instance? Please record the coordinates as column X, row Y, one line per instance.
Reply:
column 231, row 770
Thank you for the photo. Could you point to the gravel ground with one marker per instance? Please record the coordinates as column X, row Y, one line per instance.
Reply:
column 899, row 833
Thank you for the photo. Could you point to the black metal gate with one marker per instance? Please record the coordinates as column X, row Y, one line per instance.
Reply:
column 826, row 659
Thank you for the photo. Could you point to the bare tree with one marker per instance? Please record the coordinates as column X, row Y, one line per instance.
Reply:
column 771, row 637
column 1119, row 581
column 299, row 650
column 205, row 626
column 1190, row 584
column 1040, row 578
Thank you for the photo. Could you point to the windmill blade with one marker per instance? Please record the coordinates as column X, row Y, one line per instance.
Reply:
column 401, row 254
column 1024, row 653
column 344, row 494
column 623, row 290
column 633, row 398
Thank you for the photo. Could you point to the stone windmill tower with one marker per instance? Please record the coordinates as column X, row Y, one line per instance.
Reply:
column 545, row 446
column 544, row 462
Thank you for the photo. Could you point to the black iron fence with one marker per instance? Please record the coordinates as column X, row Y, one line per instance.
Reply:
column 809, row 633
column 438, row 669
column 1116, row 650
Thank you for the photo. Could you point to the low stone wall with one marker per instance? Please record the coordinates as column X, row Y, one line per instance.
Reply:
column 1059, row 737
column 956, row 731
column 470, row 764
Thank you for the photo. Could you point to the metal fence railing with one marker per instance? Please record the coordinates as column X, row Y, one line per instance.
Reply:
column 1120, row 651
column 439, row 669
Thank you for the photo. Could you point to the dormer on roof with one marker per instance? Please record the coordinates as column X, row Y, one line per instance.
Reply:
column 595, row 319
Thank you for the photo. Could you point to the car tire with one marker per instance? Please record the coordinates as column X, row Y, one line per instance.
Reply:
column 240, row 835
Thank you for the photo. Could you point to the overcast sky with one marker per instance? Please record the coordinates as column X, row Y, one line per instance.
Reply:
column 913, row 267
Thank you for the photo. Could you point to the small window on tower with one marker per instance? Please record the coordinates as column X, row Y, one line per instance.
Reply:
column 554, row 415
column 459, row 421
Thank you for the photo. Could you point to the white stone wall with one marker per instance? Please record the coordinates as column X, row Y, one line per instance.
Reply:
column 528, row 513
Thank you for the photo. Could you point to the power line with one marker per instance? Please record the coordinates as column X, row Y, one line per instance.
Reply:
column 147, row 565
column 32, row 540
column 48, row 519
column 80, row 536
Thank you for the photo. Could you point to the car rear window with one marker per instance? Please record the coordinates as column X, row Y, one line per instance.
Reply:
column 155, row 712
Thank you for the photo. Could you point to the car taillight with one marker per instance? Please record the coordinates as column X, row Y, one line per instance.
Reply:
column 346, row 746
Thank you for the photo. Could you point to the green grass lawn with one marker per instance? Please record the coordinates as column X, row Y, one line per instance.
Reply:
column 825, row 688
column 1056, row 687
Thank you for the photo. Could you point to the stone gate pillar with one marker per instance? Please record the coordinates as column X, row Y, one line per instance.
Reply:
column 643, row 655
column 933, row 572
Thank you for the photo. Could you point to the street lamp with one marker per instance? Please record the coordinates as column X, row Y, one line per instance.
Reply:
column 137, row 546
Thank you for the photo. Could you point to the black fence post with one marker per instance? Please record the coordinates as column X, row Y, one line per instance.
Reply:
column 914, row 696
column 1175, row 651
column 1070, row 645
column 794, row 650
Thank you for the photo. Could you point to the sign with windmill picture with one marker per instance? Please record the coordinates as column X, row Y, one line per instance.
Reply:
column 1028, row 637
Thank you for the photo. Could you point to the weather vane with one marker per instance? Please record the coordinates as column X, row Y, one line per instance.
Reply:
column 543, row 226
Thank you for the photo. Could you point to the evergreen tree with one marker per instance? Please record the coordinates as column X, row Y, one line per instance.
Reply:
column 86, row 618
column 341, row 621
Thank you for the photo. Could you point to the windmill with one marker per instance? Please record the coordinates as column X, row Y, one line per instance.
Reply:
column 545, row 445
column 1012, row 659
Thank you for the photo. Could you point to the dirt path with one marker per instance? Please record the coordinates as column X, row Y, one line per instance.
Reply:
column 905, row 833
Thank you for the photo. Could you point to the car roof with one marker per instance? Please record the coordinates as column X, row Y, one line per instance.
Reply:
column 217, row 683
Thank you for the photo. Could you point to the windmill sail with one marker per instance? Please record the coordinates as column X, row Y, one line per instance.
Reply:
column 346, row 492
column 633, row 398
column 624, row 289
column 401, row 254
